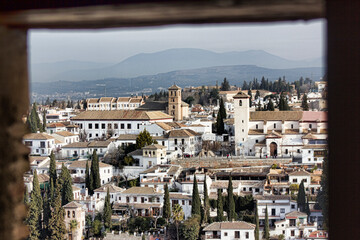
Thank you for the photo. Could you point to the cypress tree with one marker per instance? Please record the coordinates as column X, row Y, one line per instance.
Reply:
column 304, row 103
column 166, row 208
column 33, row 219
column 36, row 192
column 301, row 201
column 322, row 198
column 95, row 172
column 250, row 97
column 307, row 207
column 206, row 217
column 87, row 176
column 257, row 235
column 196, row 202
column 266, row 227
column 107, row 211
column 52, row 170
column 46, row 216
column 44, row 121
column 57, row 228
column 220, row 118
column 270, row 106
column 219, row 207
column 230, row 201
column 66, row 182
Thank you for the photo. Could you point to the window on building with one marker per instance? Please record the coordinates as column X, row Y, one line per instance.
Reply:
column 257, row 126
column 138, row 126
column 256, row 141
column 116, row 126
column 247, row 235
column 310, row 125
column 28, row 143
column 68, row 214
column 73, row 214
column 237, row 234
column 90, row 135
column 122, row 126
column 298, row 151
column 90, row 125
column 135, row 199
column 240, row 103
column 109, row 126
column 282, row 210
column 274, row 125
column 292, row 126
column 225, row 234
column 129, row 126
column 96, row 126
column 103, row 126
column 175, row 141
column 295, row 180
column 286, row 151
column 292, row 206
column 182, row 141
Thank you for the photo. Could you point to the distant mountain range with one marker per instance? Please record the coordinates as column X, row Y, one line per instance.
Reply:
column 236, row 74
column 161, row 62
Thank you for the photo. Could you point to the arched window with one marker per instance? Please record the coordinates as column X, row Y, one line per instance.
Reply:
column 173, row 106
column 240, row 103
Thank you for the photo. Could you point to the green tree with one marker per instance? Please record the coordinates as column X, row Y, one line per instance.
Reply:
column 144, row 139
column 257, row 95
column 283, row 103
column 166, row 207
column 307, row 207
column 225, row 86
column 66, row 186
column 220, row 118
column 107, row 211
column 323, row 196
column 301, row 198
column 46, row 216
column 206, row 217
column 94, row 172
column 52, row 171
column 219, row 207
column 32, row 220
column 196, row 202
column 266, row 234
column 250, row 98
column 304, row 103
column 57, row 228
column 189, row 100
column 257, row 228
column 73, row 226
column 190, row 229
column 270, row 106
column 230, row 201
column 36, row 192
column 177, row 216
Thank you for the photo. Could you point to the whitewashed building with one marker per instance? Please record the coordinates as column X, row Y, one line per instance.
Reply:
column 39, row 143
column 230, row 230
column 78, row 168
column 113, row 123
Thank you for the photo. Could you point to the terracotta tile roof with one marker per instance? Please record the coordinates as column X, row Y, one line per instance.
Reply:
column 95, row 144
column 176, row 124
column 316, row 146
column 75, row 188
column 121, row 115
column 164, row 126
column 295, row 214
column 38, row 136
column 141, row 191
column 105, row 99
column 228, row 92
column 179, row 196
column 127, row 137
column 221, row 184
column 299, row 173
column 309, row 116
column 135, row 100
column 173, row 170
column 309, row 136
column 291, row 131
column 123, row 99
column 82, row 164
column 137, row 152
column 73, row 204
column 77, row 145
column 43, row 178
column 272, row 197
column 182, row 133
column 92, row 100
column 184, row 104
column 217, row 226
column 273, row 134
column 255, row 132
column 37, row 158
column 276, row 115
column 154, row 146
column 54, row 125
column 65, row 134
column 112, row 188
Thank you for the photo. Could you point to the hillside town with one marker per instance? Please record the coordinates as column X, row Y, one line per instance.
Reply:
column 209, row 162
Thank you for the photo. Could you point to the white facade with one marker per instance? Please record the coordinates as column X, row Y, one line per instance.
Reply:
column 230, row 230
column 78, row 168
column 39, row 143
column 242, row 117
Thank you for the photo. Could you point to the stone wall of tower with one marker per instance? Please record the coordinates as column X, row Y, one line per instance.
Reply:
column 241, row 122
column 174, row 107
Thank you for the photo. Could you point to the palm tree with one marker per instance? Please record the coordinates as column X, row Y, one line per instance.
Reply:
column 177, row 216
column 73, row 226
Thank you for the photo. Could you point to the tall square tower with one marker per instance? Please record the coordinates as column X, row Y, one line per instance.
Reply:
column 174, row 105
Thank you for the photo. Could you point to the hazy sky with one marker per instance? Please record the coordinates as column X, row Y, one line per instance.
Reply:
column 292, row 40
